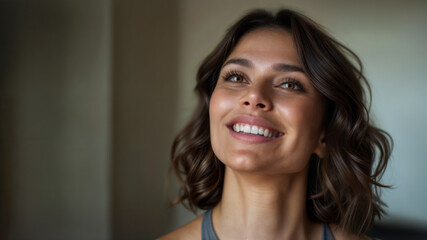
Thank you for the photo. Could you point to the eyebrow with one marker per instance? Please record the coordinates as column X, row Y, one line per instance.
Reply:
column 280, row 67
column 239, row 61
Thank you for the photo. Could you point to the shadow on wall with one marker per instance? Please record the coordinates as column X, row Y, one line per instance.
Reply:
column 145, row 88
column 33, row 41
column 84, row 154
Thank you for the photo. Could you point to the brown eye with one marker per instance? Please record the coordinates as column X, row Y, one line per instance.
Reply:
column 289, row 85
column 236, row 79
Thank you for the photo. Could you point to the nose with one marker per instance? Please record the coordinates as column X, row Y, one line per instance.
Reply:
column 256, row 99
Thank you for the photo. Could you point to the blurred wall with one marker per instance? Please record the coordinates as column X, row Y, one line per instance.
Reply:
column 145, row 103
column 55, row 126
column 88, row 102
column 389, row 37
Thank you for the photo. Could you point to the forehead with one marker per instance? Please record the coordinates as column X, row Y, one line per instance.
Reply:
column 271, row 44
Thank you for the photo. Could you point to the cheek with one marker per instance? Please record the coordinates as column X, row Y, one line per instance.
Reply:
column 214, row 109
column 220, row 104
column 303, row 123
column 303, row 116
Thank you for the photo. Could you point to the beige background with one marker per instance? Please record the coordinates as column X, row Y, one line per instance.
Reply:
column 93, row 92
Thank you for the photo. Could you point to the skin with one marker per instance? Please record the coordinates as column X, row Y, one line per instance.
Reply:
column 265, row 182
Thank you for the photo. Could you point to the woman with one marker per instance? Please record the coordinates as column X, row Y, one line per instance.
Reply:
column 280, row 145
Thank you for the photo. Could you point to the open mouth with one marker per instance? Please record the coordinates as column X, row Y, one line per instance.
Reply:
column 255, row 130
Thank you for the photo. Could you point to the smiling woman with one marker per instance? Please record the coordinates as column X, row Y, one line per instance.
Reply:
column 280, row 145
column 262, row 88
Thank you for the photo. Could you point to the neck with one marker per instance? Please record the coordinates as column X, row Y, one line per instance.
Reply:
column 263, row 207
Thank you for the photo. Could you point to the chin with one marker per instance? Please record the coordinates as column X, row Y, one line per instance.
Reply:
column 243, row 163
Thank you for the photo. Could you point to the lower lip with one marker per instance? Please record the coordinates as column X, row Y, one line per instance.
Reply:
column 249, row 138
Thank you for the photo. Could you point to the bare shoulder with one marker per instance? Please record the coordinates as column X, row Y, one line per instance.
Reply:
column 190, row 231
column 339, row 234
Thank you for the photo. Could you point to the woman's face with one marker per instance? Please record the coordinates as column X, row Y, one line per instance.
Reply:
column 265, row 115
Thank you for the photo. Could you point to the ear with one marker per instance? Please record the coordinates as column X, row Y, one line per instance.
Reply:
column 320, row 149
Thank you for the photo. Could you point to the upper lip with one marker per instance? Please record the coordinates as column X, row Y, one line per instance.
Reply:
column 252, row 120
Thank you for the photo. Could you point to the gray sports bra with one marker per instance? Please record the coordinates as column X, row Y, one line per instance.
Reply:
column 208, row 232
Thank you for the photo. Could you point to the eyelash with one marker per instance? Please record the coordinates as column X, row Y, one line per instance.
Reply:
column 227, row 77
column 298, row 87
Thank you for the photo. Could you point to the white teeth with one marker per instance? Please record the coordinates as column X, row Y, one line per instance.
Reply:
column 247, row 129
column 254, row 130
column 250, row 129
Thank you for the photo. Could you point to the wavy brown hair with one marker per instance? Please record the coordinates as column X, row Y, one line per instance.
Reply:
column 344, row 187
